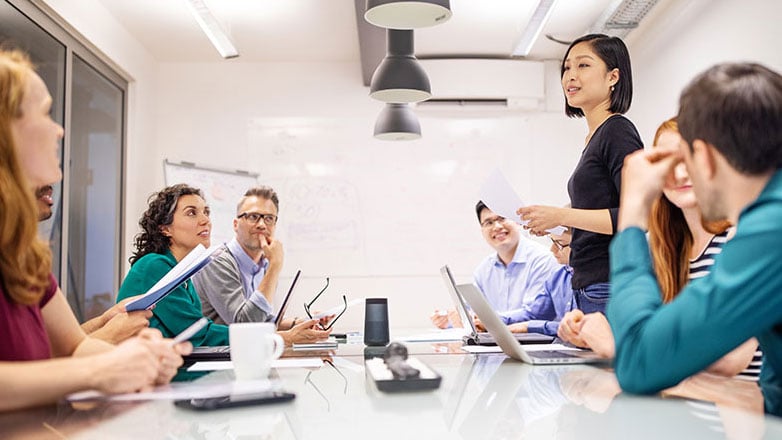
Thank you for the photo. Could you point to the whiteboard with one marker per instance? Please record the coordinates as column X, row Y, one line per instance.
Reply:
column 222, row 190
column 352, row 207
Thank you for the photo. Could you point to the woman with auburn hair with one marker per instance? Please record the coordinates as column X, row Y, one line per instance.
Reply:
column 683, row 249
column 44, row 354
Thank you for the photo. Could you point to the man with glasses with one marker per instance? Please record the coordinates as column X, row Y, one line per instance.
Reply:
column 239, row 285
column 513, row 275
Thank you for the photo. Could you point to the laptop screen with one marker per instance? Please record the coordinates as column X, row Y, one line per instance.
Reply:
column 457, row 299
column 286, row 301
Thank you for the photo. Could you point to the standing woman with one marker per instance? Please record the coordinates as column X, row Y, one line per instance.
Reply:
column 176, row 221
column 598, row 85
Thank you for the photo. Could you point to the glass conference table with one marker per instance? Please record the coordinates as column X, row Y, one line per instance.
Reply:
column 481, row 396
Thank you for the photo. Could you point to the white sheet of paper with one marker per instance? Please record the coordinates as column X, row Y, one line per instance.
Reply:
column 181, row 390
column 500, row 197
column 310, row 362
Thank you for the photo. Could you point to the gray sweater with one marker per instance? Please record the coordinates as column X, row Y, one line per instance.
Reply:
column 223, row 299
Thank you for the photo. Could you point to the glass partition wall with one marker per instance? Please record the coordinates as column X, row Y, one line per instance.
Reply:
column 89, row 101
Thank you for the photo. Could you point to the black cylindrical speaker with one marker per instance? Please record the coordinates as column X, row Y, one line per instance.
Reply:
column 376, row 321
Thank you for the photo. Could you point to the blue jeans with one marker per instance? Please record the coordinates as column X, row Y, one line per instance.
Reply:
column 593, row 298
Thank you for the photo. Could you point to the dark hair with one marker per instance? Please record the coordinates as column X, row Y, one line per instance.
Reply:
column 737, row 108
column 613, row 52
column 262, row 191
column 479, row 207
column 159, row 213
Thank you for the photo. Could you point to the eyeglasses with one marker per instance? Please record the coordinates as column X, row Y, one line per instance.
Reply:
column 489, row 222
column 558, row 243
column 307, row 306
column 255, row 217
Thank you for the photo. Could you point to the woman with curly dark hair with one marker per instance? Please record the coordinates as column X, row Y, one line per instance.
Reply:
column 176, row 221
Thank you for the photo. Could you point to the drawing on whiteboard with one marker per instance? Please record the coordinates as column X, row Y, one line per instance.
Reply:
column 322, row 214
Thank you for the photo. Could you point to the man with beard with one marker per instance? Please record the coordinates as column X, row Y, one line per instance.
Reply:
column 239, row 284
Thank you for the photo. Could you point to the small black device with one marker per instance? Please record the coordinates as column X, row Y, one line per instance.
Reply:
column 233, row 401
column 376, row 322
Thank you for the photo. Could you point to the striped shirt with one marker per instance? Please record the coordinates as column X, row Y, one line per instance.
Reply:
column 700, row 267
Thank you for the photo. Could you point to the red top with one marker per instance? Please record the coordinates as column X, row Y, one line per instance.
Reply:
column 22, row 332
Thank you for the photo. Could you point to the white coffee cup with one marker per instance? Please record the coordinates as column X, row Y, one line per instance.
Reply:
column 254, row 345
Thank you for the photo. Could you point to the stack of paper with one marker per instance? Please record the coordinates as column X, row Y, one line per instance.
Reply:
column 189, row 266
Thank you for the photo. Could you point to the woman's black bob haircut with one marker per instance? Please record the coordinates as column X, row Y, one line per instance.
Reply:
column 613, row 52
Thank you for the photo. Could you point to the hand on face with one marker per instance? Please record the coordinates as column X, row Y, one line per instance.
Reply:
column 272, row 249
column 644, row 175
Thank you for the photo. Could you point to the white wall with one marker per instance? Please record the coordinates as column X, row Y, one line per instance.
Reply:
column 378, row 217
column 672, row 48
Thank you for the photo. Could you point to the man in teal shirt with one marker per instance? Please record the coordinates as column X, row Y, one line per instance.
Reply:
column 730, row 118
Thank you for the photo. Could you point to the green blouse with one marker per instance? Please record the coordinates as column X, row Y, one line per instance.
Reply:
column 179, row 309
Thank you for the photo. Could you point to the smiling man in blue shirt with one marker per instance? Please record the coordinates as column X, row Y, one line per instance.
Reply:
column 730, row 119
column 510, row 277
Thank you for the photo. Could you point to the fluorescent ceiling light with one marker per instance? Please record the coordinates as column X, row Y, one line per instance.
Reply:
column 534, row 27
column 622, row 16
column 212, row 29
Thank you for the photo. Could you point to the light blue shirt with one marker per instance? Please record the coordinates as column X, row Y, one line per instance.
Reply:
column 543, row 314
column 251, row 275
column 508, row 288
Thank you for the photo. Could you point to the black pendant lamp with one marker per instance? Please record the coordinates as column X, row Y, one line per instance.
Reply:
column 399, row 78
column 401, row 14
column 397, row 122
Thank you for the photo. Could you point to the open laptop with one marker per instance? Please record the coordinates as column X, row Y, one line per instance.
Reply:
column 482, row 338
column 223, row 352
column 508, row 342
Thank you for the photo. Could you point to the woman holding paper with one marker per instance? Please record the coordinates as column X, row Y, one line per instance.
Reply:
column 44, row 354
column 597, row 81
column 175, row 223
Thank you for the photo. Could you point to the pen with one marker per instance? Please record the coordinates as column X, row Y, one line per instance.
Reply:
column 190, row 331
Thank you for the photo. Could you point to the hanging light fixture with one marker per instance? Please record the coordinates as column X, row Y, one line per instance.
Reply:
column 397, row 122
column 400, row 14
column 399, row 77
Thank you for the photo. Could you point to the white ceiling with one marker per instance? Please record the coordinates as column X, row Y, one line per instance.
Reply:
column 325, row 30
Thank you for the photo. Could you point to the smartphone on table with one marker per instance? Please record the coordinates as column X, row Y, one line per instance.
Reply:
column 233, row 401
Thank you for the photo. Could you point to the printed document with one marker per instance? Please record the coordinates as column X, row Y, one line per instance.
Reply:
column 500, row 197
